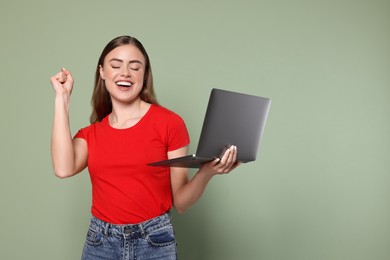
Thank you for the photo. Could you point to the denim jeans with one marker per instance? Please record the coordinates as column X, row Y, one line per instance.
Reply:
column 152, row 239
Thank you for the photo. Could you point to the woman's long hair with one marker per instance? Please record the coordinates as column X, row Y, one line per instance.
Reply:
column 101, row 100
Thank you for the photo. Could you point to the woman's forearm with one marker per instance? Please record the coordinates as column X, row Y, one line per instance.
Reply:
column 189, row 193
column 62, row 151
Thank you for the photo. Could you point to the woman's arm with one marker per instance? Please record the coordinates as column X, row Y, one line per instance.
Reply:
column 186, row 192
column 68, row 156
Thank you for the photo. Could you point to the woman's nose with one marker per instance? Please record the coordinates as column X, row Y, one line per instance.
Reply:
column 125, row 72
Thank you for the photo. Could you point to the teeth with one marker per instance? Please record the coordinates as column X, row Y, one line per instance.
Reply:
column 124, row 83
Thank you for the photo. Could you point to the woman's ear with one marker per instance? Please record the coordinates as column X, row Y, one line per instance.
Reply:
column 101, row 72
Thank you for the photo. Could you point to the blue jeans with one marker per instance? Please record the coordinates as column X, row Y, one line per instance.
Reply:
column 152, row 239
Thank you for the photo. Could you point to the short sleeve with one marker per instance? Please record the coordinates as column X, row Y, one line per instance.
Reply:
column 177, row 133
column 80, row 134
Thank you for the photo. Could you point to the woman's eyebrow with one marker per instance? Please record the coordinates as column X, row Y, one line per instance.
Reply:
column 116, row 59
column 132, row 61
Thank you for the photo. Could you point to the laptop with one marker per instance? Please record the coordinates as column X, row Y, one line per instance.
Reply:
column 231, row 119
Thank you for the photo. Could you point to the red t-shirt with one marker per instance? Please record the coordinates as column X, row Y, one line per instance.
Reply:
column 125, row 190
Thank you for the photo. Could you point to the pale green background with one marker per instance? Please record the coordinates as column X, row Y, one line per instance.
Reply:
column 320, row 189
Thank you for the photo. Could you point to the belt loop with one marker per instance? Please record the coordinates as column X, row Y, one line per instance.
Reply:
column 142, row 230
column 106, row 227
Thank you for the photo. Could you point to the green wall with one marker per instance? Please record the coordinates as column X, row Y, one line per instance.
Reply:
column 320, row 189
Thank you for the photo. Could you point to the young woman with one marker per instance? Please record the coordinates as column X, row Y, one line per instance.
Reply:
column 130, row 200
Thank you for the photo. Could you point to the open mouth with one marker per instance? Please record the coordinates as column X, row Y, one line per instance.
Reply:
column 124, row 84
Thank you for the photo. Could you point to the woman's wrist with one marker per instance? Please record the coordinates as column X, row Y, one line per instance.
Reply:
column 62, row 100
column 207, row 172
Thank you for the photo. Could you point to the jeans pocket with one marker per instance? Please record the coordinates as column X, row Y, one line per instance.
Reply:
column 94, row 238
column 162, row 237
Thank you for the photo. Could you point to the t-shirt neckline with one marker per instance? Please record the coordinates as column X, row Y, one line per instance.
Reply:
column 143, row 118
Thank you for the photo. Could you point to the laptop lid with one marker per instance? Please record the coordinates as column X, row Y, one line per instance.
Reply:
column 231, row 119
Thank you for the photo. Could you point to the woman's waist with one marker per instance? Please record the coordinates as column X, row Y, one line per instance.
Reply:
column 135, row 230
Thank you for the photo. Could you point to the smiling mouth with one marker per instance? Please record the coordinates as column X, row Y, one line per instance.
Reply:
column 124, row 84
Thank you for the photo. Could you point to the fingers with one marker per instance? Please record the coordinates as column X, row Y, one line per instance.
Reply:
column 67, row 76
column 63, row 76
column 223, row 165
column 60, row 77
column 62, row 81
column 228, row 160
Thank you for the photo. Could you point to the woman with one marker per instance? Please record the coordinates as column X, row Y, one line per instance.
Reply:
column 130, row 200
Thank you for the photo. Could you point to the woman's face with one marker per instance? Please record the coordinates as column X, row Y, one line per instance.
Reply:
column 123, row 71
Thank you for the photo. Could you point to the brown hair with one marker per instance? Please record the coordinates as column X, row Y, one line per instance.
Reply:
column 101, row 100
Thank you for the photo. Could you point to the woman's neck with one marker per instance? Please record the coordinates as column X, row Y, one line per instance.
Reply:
column 125, row 116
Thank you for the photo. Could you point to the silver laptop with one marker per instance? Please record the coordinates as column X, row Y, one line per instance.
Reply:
column 231, row 119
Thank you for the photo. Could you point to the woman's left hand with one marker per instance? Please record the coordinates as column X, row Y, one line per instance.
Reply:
column 222, row 165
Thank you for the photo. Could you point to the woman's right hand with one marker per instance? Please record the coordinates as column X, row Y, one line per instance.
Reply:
column 62, row 82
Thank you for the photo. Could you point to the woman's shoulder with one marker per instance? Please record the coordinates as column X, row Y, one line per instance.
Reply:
column 164, row 111
column 166, row 115
column 98, row 124
column 84, row 131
